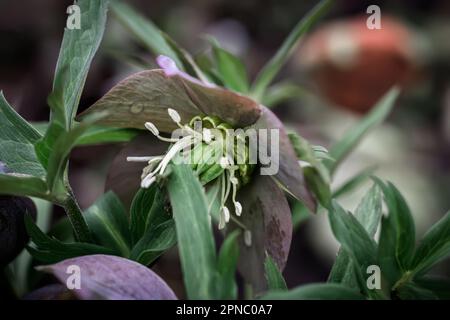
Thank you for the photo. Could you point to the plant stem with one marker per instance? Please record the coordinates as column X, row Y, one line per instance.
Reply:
column 75, row 215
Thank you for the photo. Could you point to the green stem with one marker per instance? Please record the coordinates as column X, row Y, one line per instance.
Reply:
column 75, row 215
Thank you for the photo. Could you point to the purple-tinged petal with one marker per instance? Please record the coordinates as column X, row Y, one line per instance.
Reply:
column 230, row 106
column 267, row 215
column 51, row 292
column 289, row 175
column 146, row 96
column 233, row 108
column 124, row 178
column 111, row 278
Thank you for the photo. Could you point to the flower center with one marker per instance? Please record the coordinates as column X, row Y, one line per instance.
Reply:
column 215, row 153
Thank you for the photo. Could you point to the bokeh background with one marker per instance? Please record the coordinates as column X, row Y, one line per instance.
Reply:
column 341, row 68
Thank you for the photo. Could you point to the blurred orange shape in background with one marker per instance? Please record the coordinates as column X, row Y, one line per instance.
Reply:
column 353, row 66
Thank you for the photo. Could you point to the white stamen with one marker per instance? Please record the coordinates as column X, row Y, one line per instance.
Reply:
column 221, row 221
column 158, row 164
column 147, row 181
column 181, row 144
column 238, row 208
column 152, row 128
column 209, row 219
column 224, row 162
column 155, row 159
column 139, row 159
column 234, row 180
column 174, row 115
column 151, row 165
column 304, row 164
column 207, row 135
column 248, row 238
column 226, row 214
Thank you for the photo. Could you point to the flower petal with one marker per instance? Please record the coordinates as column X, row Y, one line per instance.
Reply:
column 112, row 278
column 124, row 178
column 267, row 215
column 289, row 175
column 146, row 96
column 54, row 291
column 233, row 108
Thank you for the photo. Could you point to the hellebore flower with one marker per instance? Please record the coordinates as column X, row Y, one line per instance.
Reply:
column 167, row 99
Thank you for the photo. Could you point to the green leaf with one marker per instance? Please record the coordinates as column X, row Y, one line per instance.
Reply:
column 231, row 69
column 186, row 59
column 77, row 51
column 412, row 291
column 355, row 181
column 213, row 199
column 139, row 211
column 316, row 175
column 156, row 240
column 97, row 134
column 154, row 39
column 108, row 223
column 195, row 238
column 11, row 118
column 281, row 92
column 100, row 135
column 386, row 251
column 16, row 142
column 300, row 213
column 434, row 247
column 401, row 226
column 62, row 230
column 208, row 67
column 316, row 291
column 23, row 185
column 271, row 69
column 351, row 139
column 355, row 241
column 147, row 211
column 44, row 146
column 305, row 152
column 316, row 184
column 57, row 162
column 275, row 280
column 145, row 31
column 51, row 250
column 440, row 286
column 226, row 266
column 23, row 173
column 368, row 213
column 352, row 235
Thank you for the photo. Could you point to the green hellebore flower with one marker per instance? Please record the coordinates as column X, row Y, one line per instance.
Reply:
column 166, row 99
